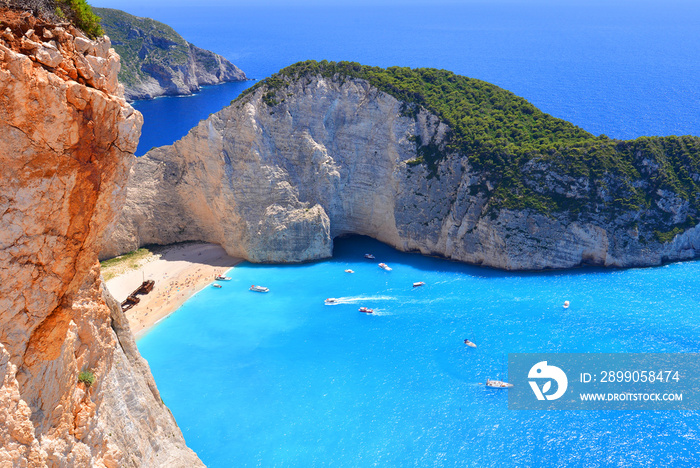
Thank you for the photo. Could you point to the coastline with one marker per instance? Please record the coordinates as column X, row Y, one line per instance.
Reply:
column 179, row 272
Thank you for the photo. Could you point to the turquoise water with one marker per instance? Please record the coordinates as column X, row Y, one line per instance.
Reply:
column 280, row 379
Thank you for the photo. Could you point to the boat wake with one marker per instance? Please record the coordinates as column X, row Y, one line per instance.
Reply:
column 381, row 312
column 356, row 299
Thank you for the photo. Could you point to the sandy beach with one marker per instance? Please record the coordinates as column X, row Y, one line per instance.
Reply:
column 179, row 271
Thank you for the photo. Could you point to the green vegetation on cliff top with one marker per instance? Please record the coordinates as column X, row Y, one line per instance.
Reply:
column 143, row 44
column 518, row 147
column 77, row 12
column 80, row 14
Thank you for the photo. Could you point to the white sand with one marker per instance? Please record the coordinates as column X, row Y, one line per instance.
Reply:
column 179, row 271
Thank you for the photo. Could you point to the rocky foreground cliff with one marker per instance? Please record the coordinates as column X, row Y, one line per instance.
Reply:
column 157, row 61
column 423, row 160
column 67, row 138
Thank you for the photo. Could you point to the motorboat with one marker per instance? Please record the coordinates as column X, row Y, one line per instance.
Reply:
column 216, row 285
column 222, row 278
column 419, row 283
column 469, row 343
column 366, row 310
column 370, row 256
column 497, row 384
column 349, row 271
column 384, row 266
column 566, row 304
column 331, row 300
column 259, row 288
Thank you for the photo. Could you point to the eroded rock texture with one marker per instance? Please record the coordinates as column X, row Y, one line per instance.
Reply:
column 157, row 61
column 67, row 138
column 282, row 171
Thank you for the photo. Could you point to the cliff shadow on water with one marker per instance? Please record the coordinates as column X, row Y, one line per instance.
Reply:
column 352, row 246
column 421, row 159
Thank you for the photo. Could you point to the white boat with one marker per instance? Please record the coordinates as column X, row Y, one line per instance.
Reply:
column 469, row 343
column 331, row 300
column 349, row 271
column 366, row 310
column 419, row 283
column 222, row 278
column 259, row 288
column 497, row 384
column 566, row 304
column 370, row 256
column 216, row 285
column 384, row 266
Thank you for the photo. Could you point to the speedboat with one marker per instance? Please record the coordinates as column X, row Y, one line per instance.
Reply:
column 566, row 304
column 384, row 266
column 370, row 256
column 349, row 271
column 222, row 278
column 216, row 285
column 419, row 283
column 469, row 343
column 497, row 384
column 366, row 310
column 331, row 300
column 259, row 288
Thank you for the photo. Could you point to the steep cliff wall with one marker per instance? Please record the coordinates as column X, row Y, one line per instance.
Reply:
column 308, row 156
column 157, row 61
column 67, row 138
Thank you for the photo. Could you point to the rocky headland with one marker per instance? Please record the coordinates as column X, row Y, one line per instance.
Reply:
column 423, row 160
column 157, row 61
column 75, row 392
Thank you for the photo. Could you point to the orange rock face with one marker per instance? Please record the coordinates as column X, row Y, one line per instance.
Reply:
column 66, row 148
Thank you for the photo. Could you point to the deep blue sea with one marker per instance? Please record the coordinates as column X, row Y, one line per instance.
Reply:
column 624, row 68
column 280, row 379
column 167, row 119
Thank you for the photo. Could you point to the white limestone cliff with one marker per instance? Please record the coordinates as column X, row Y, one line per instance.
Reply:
column 276, row 181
